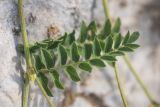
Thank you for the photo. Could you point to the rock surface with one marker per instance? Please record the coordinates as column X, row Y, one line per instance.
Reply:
column 98, row 89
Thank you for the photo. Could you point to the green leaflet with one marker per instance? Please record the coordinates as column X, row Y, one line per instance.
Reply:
column 46, row 58
column 62, row 55
column 74, row 52
column 132, row 46
column 91, row 31
column 44, row 82
column 108, row 44
column 96, row 47
column 102, row 43
column 116, row 53
column 33, row 48
column 71, row 71
column 133, row 37
column 56, row 79
column 37, row 62
column 106, row 29
column 117, row 26
column 87, row 50
column 92, row 26
column 54, row 44
column 125, row 49
column 83, row 32
column 126, row 38
column 85, row 66
column 41, row 44
column 109, row 58
column 117, row 39
column 97, row 62
column 63, row 38
column 70, row 38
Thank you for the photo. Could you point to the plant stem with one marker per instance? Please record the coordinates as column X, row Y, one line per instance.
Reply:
column 45, row 94
column 106, row 9
column 26, row 86
column 29, row 69
column 24, row 34
column 134, row 72
column 120, row 86
column 107, row 14
column 128, row 62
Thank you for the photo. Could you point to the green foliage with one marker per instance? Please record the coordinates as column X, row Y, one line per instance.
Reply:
column 91, row 48
column 44, row 82
column 71, row 71
column 117, row 26
column 74, row 52
column 97, row 62
column 106, row 29
column 62, row 55
column 85, row 66
column 87, row 50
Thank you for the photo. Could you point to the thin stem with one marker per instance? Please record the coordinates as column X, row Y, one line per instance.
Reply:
column 45, row 94
column 128, row 62
column 106, row 9
column 26, row 86
column 24, row 34
column 107, row 14
column 120, row 86
column 30, row 71
column 134, row 72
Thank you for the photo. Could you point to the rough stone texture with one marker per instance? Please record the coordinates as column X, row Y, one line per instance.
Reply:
column 98, row 89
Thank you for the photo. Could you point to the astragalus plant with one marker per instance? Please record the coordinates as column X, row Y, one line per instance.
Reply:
column 70, row 53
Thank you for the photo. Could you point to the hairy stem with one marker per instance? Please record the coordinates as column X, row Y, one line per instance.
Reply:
column 30, row 70
column 120, row 86
column 45, row 94
column 134, row 72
